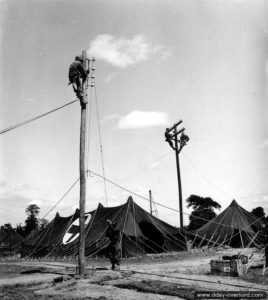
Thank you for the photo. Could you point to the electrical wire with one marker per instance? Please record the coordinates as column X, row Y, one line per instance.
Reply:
column 35, row 118
column 65, row 194
column 204, row 177
column 101, row 149
column 162, row 205
column 145, row 168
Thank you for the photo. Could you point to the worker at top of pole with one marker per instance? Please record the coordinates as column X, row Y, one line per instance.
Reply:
column 168, row 137
column 184, row 139
column 77, row 76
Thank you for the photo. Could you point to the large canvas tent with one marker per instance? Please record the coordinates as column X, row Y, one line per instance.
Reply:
column 235, row 227
column 9, row 240
column 141, row 233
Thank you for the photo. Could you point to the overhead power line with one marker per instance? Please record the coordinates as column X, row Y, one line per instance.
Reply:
column 157, row 203
column 101, row 148
column 35, row 118
column 123, row 188
column 205, row 178
column 145, row 168
column 66, row 193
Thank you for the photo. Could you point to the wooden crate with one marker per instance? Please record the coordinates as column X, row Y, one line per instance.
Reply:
column 234, row 267
column 238, row 267
column 220, row 267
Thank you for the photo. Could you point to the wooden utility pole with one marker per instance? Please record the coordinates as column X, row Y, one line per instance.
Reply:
column 178, row 176
column 183, row 141
column 83, row 103
column 150, row 197
column 266, row 244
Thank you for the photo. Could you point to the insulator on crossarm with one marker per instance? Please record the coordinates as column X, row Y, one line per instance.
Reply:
column 93, row 76
column 92, row 84
column 93, row 68
column 93, row 59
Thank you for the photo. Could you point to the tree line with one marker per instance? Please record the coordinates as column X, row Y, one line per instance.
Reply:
column 32, row 222
column 204, row 211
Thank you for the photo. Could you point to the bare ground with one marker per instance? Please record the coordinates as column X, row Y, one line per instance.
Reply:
column 173, row 276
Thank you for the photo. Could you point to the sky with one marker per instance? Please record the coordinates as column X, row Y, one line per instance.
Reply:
column 157, row 62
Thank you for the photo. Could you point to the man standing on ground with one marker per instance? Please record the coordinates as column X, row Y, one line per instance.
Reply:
column 114, row 247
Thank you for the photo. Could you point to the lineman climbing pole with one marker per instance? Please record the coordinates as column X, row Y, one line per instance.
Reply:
column 83, row 102
column 171, row 135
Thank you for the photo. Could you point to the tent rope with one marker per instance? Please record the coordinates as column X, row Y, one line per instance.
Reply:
column 162, row 205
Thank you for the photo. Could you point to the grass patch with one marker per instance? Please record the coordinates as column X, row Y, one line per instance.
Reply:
column 159, row 287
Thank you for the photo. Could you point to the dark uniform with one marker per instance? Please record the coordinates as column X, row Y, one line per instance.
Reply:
column 168, row 137
column 77, row 76
column 114, row 252
column 183, row 141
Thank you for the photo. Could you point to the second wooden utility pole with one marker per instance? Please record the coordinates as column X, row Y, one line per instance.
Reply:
column 183, row 141
column 178, row 176
column 83, row 102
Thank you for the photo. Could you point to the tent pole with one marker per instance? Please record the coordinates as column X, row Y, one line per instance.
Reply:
column 210, row 240
column 222, row 244
column 202, row 241
column 216, row 241
column 194, row 238
column 230, row 238
column 251, row 240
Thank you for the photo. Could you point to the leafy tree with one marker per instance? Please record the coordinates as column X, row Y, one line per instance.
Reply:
column 32, row 221
column 258, row 212
column 203, row 210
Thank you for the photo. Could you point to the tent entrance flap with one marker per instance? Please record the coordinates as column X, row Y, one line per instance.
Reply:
column 154, row 238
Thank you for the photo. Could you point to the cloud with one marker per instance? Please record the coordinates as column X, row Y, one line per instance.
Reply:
column 123, row 52
column 140, row 119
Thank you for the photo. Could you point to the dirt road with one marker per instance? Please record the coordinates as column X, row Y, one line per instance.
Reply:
column 169, row 277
